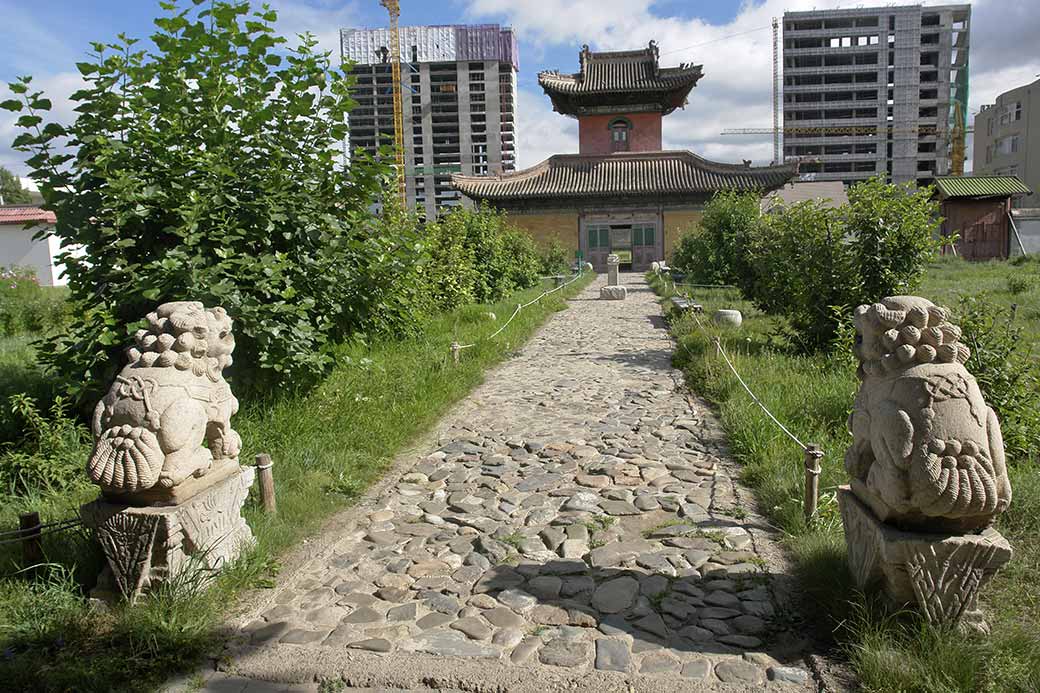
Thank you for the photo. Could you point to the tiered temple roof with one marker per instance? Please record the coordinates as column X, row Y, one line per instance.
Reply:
column 672, row 176
column 630, row 81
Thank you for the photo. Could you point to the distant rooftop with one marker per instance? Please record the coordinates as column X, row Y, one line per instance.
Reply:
column 980, row 186
column 830, row 192
column 24, row 214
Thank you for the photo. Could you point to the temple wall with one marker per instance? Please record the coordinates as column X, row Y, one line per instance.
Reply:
column 563, row 225
column 675, row 223
column 545, row 227
column 594, row 134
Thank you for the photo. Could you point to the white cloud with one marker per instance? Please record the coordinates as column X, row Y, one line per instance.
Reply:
column 736, row 90
column 323, row 18
column 542, row 132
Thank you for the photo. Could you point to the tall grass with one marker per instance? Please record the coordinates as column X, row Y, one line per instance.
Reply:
column 327, row 445
column 812, row 395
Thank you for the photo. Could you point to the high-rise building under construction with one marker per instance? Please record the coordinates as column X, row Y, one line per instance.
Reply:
column 458, row 99
column 880, row 90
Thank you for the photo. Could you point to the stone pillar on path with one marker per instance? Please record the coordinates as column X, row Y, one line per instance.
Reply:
column 926, row 466
column 168, row 502
column 613, row 291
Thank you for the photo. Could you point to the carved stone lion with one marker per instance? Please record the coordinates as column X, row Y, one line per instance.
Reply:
column 170, row 398
column 927, row 453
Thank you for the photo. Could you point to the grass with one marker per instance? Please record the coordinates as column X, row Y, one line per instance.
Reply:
column 328, row 447
column 812, row 395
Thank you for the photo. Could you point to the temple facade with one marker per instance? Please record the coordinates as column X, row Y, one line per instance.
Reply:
column 621, row 193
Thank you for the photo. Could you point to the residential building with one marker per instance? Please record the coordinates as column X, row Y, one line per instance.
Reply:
column 19, row 247
column 621, row 193
column 879, row 90
column 459, row 103
column 1007, row 139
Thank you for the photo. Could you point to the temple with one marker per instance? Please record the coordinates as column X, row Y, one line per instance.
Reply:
column 621, row 193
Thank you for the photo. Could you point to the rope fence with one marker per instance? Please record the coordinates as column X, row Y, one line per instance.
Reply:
column 456, row 348
column 812, row 453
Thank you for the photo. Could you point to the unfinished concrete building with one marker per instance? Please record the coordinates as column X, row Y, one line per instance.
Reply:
column 459, row 101
column 879, row 90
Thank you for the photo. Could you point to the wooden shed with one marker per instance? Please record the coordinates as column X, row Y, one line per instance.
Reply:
column 977, row 210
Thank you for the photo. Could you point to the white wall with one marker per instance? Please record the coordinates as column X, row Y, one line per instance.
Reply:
column 17, row 248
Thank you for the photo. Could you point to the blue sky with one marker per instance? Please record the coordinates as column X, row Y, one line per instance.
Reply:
column 730, row 38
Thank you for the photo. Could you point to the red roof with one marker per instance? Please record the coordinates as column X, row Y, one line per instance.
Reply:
column 22, row 214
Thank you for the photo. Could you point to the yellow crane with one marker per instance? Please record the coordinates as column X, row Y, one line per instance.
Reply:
column 393, row 7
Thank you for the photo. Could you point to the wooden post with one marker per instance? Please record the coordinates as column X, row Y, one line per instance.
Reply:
column 813, row 454
column 455, row 351
column 264, row 467
column 32, row 549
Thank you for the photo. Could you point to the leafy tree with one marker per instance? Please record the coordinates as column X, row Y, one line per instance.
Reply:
column 891, row 235
column 11, row 190
column 209, row 169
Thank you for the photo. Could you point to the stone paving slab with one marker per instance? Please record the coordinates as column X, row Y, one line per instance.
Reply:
column 577, row 525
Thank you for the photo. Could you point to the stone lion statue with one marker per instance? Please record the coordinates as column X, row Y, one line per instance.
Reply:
column 927, row 452
column 167, row 401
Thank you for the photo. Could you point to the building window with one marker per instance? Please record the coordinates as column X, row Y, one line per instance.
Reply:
column 599, row 237
column 619, row 131
column 643, row 235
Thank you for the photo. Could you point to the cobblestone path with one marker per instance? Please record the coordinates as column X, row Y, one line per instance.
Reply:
column 576, row 526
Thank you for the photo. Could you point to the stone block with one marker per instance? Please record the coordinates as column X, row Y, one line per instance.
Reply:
column 939, row 574
column 613, row 293
column 145, row 546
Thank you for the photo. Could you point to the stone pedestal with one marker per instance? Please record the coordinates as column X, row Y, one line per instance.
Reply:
column 613, row 263
column 938, row 574
column 146, row 545
column 613, row 291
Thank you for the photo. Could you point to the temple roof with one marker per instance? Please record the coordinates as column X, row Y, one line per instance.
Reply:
column 620, row 81
column 667, row 174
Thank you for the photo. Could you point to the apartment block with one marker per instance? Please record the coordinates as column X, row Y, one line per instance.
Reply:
column 459, row 101
column 1007, row 139
column 879, row 90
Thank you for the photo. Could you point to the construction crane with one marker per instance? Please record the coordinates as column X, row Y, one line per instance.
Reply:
column 777, row 154
column 393, row 7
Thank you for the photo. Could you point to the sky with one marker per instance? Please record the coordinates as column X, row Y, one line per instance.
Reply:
column 730, row 38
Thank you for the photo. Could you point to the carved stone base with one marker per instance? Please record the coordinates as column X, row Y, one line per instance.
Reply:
column 613, row 293
column 145, row 546
column 938, row 574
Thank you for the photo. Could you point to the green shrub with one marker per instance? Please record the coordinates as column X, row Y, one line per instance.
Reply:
column 716, row 251
column 1009, row 375
column 51, row 457
column 451, row 274
column 555, row 259
column 208, row 168
column 810, row 263
column 26, row 307
column 525, row 265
